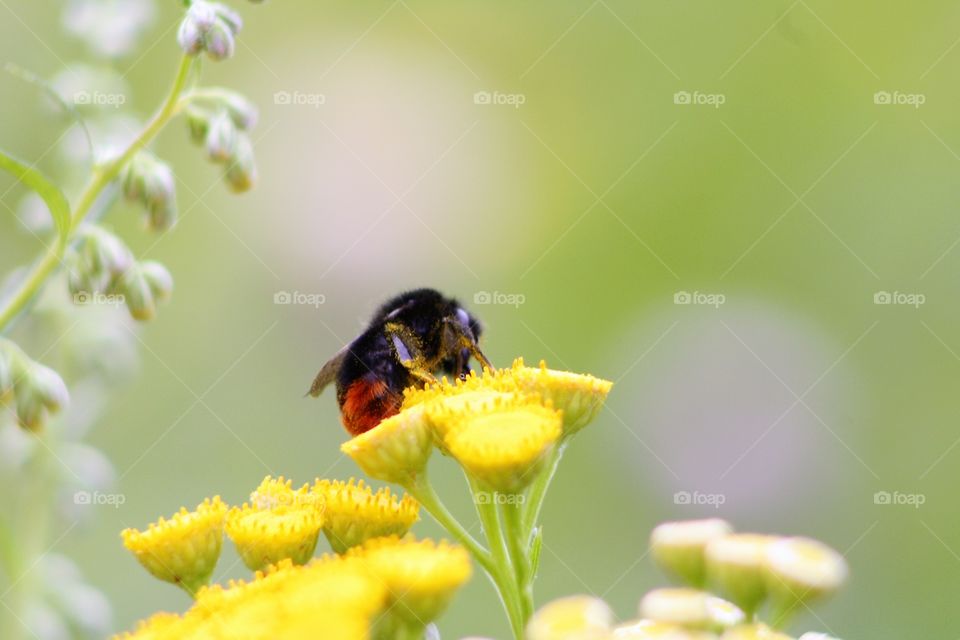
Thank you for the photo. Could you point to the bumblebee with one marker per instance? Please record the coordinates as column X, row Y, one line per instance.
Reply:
column 410, row 338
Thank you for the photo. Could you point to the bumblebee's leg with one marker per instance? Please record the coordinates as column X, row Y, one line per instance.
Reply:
column 467, row 342
column 407, row 347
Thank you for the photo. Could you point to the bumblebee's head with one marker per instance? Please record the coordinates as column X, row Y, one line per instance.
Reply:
column 457, row 361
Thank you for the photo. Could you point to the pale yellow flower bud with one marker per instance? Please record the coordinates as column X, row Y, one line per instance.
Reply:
column 737, row 564
column 679, row 546
column 690, row 608
column 572, row 618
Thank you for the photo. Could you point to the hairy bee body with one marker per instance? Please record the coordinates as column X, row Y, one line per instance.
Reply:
column 410, row 338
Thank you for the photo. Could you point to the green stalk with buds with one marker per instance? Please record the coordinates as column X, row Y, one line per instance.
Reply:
column 97, row 265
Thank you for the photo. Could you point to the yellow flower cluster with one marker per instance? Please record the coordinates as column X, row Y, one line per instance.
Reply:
column 499, row 425
column 787, row 570
column 184, row 549
column 376, row 591
column 274, row 532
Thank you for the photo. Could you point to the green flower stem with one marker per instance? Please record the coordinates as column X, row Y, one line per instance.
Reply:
column 423, row 491
column 506, row 574
column 100, row 177
column 534, row 503
column 519, row 555
column 495, row 564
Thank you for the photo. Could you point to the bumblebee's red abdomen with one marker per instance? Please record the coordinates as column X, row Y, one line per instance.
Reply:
column 366, row 402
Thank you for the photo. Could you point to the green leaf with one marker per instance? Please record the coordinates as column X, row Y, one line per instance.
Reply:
column 535, row 549
column 49, row 192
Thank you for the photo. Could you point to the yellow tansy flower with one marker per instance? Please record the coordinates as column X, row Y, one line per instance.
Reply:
column 754, row 632
column 737, row 564
column 421, row 576
column 354, row 513
column 690, row 608
column 279, row 492
column 679, row 546
column 396, row 450
column 265, row 537
column 652, row 630
column 571, row 618
column 580, row 397
column 184, row 549
column 504, row 444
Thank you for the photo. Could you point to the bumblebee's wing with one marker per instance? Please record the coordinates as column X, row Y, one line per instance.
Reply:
column 328, row 373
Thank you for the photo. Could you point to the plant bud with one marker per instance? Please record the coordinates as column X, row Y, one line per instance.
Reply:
column 679, row 546
column 159, row 183
column 241, row 173
column 221, row 138
column 573, row 617
column 198, row 123
column 190, row 37
column 162, row 215
column 6, row 377
column 230, row 17
column 690, row 608
column 39, row 391
column 159, row 280
column 801, row 570
column 737, row 564
column 219, row 41
column 242, row 111
column 203, row 14
column 137, row 293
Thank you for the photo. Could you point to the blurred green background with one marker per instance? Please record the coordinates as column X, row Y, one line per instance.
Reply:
column 597, row 203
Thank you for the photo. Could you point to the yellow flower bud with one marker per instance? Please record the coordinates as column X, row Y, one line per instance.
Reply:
column 505, row 444
column 679, row 546
column 572, row 618
column 580, row 397
column 652, row 630
column 396, row 450
column 421, row 576
column 737, row 564
column 265, row 537
column 353, row 513
column 801, row 570
column 690, row 608
column 184, row 549
column 757, row 631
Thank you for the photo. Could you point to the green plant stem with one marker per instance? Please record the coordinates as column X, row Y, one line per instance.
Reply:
column 519, row 555
column 496, row 564
column 423, row 491
column 534, row 503
column 30, row 531
column 101, row 176
column 506, row 578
